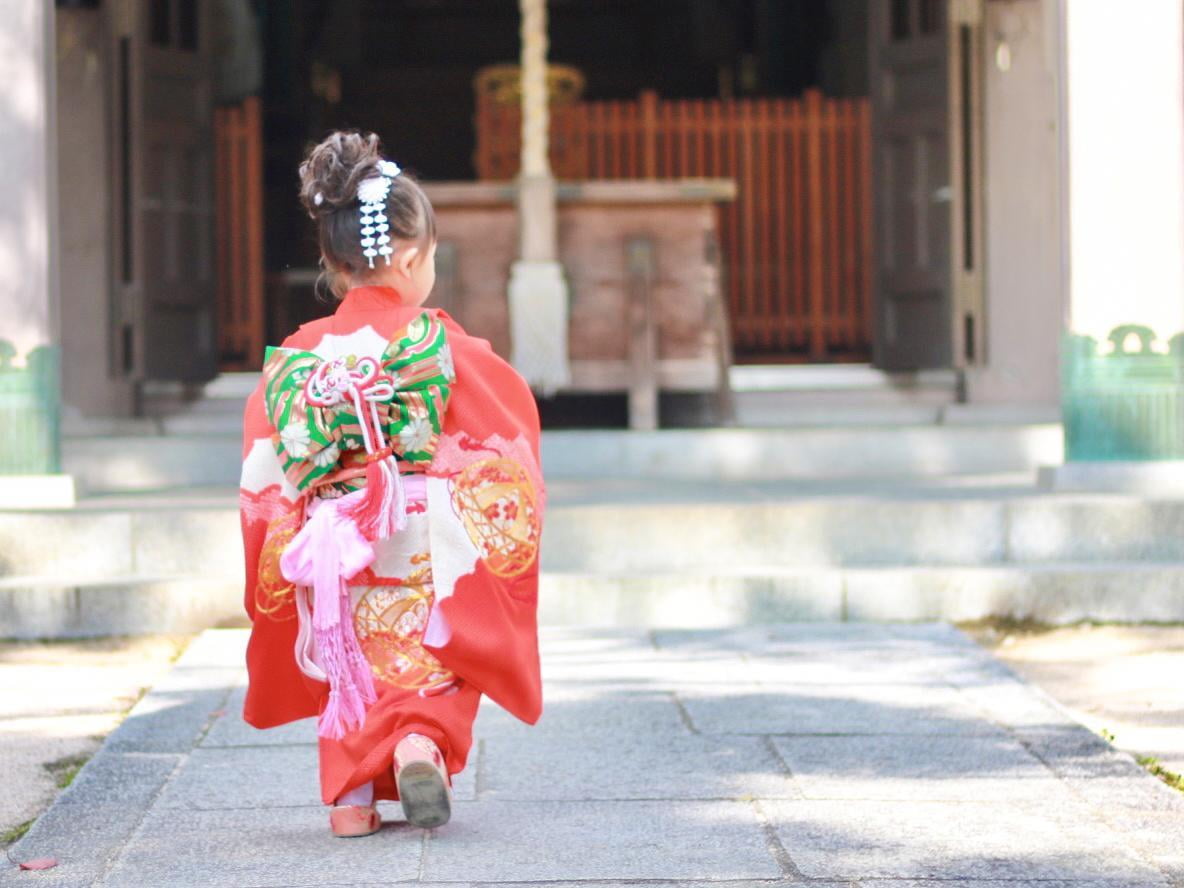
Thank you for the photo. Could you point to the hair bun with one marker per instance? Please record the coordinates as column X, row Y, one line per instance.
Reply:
column 330, row 174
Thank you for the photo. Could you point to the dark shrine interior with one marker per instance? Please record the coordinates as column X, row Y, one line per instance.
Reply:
column 405, row 69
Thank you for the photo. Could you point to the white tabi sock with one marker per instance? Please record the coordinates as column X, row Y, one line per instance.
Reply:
column 360, row 795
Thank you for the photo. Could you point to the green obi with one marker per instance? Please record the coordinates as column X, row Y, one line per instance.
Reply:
column 311, row 441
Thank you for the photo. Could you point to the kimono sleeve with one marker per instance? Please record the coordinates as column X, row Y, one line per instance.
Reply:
column 271, row 511
column 485, row 505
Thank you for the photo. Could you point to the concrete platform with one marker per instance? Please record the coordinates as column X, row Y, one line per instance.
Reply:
column 779, row 755
column 196, row 451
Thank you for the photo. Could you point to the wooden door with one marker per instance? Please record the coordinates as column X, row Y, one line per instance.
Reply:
column 168, row 200
column 922, row 80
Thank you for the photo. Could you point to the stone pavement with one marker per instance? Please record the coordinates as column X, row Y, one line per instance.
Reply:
column 58, row 700
column 793, row 754
column 1121, row 680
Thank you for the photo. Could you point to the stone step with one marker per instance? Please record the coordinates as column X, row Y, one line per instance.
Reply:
column 152, row 462
column 781, row 410
column 73, row 607
column 1051, row 593
column 787, row 396
column 846, row 410
column 618, row 528
column 110, row 463
column 224, row 393
column 858, row 378
column 1048, row 593
column 809, row 454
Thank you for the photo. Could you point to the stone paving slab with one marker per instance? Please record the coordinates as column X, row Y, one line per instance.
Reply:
column 911, row 840
column 58, row 700
column 536, row 841
column 29, row 745
column 97, row 815
column 597, row 709
column 833, row 709
column 1106, row 778
column 997, row 883
column 1015, row 705
column 1157, row 835
column 642, row 669
column 642, row 773
column 1124, row 680
column 648, row 883
column 279, row 777
column 236, row 732
column 261, row 847
column 918, row 768
column 797, row 637
column 679, row 767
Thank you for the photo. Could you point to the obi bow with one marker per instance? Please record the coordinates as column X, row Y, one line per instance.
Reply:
column 391, row 408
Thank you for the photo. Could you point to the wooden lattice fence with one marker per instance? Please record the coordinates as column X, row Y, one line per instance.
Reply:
column 797, row 242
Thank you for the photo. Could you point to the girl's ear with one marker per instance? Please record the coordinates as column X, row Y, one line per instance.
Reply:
column 406, row 258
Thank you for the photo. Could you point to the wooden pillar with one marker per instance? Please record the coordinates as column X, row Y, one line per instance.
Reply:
column 643, row 339
column 536, row 195
column 538, row 294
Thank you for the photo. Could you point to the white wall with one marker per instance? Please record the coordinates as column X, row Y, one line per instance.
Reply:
column 1024, row 299
column 1125, row 149
column 27, row 278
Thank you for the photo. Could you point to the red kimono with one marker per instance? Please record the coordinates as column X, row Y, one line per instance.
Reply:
column 444, row 610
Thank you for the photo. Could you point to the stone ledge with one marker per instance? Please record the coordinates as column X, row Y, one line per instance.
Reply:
column 37, row 492
column 1157, row 478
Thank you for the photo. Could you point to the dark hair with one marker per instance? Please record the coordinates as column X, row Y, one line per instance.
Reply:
column 334, row 169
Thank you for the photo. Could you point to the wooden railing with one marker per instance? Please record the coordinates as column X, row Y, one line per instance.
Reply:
column 797, row 242
column 238, row 206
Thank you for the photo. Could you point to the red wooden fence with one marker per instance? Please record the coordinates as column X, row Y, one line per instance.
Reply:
column 238, row 207
column 797, row 242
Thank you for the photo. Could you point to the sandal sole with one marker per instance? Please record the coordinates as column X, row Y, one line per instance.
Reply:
column 424, row 795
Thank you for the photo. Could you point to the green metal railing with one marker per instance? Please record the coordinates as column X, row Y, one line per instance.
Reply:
column 29, row 412
column 1127, row 403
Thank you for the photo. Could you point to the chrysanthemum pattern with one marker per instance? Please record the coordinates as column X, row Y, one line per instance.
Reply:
column 416, row 435
column 296, row 437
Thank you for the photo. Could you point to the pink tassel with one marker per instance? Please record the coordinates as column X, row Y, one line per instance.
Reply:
column 382, row 510
column 350, row 688
column 351, row 683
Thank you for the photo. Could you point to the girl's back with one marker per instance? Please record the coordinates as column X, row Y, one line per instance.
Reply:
column 392, row 509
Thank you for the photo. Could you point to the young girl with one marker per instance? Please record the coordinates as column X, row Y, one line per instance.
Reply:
column 391, row 509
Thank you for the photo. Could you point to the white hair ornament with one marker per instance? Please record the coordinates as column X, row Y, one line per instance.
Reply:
column 372, row 194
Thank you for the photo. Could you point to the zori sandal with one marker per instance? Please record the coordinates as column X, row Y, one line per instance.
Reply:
column 423, row 782
column 350, row 821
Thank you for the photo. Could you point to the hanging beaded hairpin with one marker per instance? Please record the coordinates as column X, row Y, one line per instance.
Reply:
column 372, row 194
